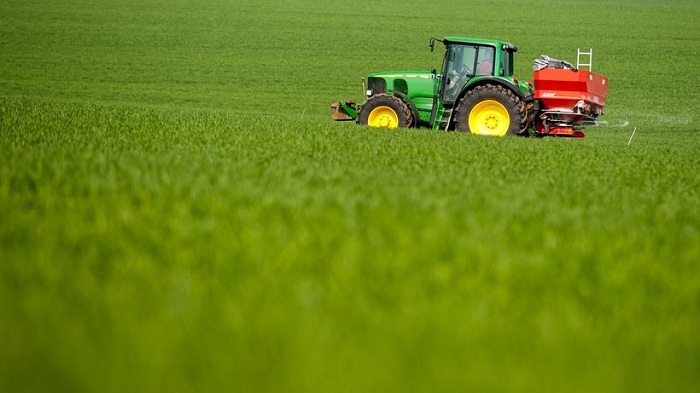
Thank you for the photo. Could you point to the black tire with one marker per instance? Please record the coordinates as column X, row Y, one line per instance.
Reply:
column 383, row 110
column 528, row 116
column 511, row 116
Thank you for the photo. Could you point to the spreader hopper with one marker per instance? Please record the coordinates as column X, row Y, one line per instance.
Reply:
column 567, row 98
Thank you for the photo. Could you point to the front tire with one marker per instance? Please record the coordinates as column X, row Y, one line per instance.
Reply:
column 383, row 110
column 491, row 110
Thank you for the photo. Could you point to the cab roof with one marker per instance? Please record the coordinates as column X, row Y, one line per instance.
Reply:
column 480, row 41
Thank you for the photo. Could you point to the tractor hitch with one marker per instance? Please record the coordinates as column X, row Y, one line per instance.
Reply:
column 344, row 110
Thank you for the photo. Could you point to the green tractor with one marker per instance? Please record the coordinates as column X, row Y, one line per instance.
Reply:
column 475, row 92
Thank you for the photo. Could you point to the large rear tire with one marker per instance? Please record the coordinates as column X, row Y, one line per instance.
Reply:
column 383, row 110
column 491, row 110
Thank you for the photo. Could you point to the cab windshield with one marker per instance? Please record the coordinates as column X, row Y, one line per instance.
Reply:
column 463, row 62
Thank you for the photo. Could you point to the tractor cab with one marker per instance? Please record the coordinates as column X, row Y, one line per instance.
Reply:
column 466, row 59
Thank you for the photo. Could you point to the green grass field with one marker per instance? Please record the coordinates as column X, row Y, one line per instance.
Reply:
column 179, row 213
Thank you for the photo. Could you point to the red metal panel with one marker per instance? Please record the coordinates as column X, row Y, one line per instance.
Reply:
column 564, row 88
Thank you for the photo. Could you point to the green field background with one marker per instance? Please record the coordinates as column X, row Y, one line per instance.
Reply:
column 179, row 213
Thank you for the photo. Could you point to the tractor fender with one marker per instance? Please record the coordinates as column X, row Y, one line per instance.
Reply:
column 496, row 81
column 411, row 106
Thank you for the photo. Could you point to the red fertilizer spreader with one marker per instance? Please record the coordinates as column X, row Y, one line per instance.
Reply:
column 566, row 97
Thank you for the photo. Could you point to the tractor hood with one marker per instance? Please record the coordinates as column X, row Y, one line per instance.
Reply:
column 409, row 83
column 402, row 74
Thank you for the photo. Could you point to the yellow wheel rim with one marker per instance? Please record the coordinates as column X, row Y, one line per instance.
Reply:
column 489, row 117
column 383, row 116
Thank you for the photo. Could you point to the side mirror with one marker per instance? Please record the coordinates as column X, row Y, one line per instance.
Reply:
column 432, row 43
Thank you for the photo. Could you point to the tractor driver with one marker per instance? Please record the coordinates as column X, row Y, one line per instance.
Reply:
column 486, row 61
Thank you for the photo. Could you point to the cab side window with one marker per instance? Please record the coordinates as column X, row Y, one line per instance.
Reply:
column 485, row 61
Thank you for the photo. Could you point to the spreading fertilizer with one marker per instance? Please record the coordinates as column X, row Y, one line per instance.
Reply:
column 476, row 91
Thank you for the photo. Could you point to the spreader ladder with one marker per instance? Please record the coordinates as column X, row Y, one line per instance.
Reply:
column 583, row 55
